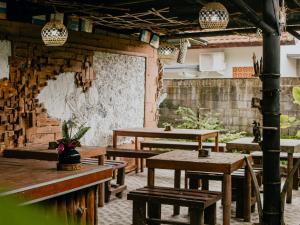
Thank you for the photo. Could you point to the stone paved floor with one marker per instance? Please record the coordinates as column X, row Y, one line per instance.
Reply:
column 119, row 211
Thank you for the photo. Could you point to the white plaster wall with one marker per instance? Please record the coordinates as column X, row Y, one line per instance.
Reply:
column 242, row 56
column 115, row 100
column 5, row 52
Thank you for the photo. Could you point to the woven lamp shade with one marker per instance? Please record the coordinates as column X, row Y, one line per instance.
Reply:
column 166, row 50
column 213, row 16
column 54, row 33
column 184, row 44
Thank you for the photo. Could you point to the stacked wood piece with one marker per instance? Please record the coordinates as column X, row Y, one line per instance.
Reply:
column 22, row 118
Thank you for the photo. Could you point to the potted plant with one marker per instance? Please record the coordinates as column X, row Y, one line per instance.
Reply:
column 68, row 156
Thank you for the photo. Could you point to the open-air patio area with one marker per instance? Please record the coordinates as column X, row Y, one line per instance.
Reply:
column 150, row 112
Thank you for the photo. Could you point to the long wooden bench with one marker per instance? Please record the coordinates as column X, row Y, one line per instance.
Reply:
column 202, row 205
column 237, row 185
column 119, row 169
column 257, row 158
column 179, row 145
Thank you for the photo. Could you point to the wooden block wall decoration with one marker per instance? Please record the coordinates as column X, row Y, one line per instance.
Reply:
column 22, row 118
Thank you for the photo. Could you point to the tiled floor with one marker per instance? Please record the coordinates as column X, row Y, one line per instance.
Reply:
column 119, row 211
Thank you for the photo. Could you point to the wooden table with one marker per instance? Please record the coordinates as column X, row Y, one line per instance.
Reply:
column 225, row 163
column 290, row 146
column 193, row 134
column 66, row 192
column 41, row 152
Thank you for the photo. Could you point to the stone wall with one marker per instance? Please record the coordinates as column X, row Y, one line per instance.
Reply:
column 108, row 104
column 229, row 98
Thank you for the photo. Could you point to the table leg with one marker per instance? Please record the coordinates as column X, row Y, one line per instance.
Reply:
column 217, row 142
column 247, row 195
column 227, row 199
column 177, row 176
column 115, row 139
column 101, row 186
column 200, row 142
column 150, row 179
column 290, row 186
column 137, row 159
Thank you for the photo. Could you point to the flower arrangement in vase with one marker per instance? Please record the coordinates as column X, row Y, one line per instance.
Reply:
column 68, row 156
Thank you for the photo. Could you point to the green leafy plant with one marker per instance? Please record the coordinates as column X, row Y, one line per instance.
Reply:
column 69, row 140
column 11, row 213
column 194, row 120
column 292, row 121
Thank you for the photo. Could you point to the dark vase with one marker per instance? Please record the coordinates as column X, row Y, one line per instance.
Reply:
column 69, row 156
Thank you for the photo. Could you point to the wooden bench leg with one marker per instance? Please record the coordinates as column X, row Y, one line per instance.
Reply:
column 196, row 216
column 210, row 215
column 239, row 197
column 139, row 213
column 205, row 184
column 177, row 175
column 296, row 177
column 120, row 180
column 290, row 186
column 154, row 211
column 247, row 195
column 101, row 195
column 107, row 191
column 193, row 183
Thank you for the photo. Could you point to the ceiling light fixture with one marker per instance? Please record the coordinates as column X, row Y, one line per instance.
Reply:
column 213, row 15
column 54, row 33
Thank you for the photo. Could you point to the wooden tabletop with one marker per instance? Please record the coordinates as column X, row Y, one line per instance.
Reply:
column 34, row 180
column 245, row 144
column 160, row 132
column 41, row 152
column 188, row 160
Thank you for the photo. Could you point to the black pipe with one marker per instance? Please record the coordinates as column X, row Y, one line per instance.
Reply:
column 271, row 117
column 254, row 17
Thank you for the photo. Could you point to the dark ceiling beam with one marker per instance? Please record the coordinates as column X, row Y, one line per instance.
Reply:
column 293, row 32
column 210, row 33
column 297, row 2
column 253, row 16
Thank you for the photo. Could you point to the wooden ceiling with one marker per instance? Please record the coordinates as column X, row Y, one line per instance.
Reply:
column 165, row 17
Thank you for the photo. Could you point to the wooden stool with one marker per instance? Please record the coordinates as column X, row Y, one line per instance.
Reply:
column 202, row 205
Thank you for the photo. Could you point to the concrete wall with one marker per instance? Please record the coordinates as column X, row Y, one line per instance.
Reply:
column 115, row 100
column 239, row 57
column 229, row 98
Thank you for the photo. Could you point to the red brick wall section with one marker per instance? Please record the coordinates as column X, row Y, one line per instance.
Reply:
column 243, row 72
column 22, row 118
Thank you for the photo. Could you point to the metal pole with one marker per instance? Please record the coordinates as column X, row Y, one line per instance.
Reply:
column 271, row 116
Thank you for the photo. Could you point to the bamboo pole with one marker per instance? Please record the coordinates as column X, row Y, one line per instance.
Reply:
column 271, row 116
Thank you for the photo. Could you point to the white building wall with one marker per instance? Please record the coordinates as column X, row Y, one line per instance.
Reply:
column 240, row 57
